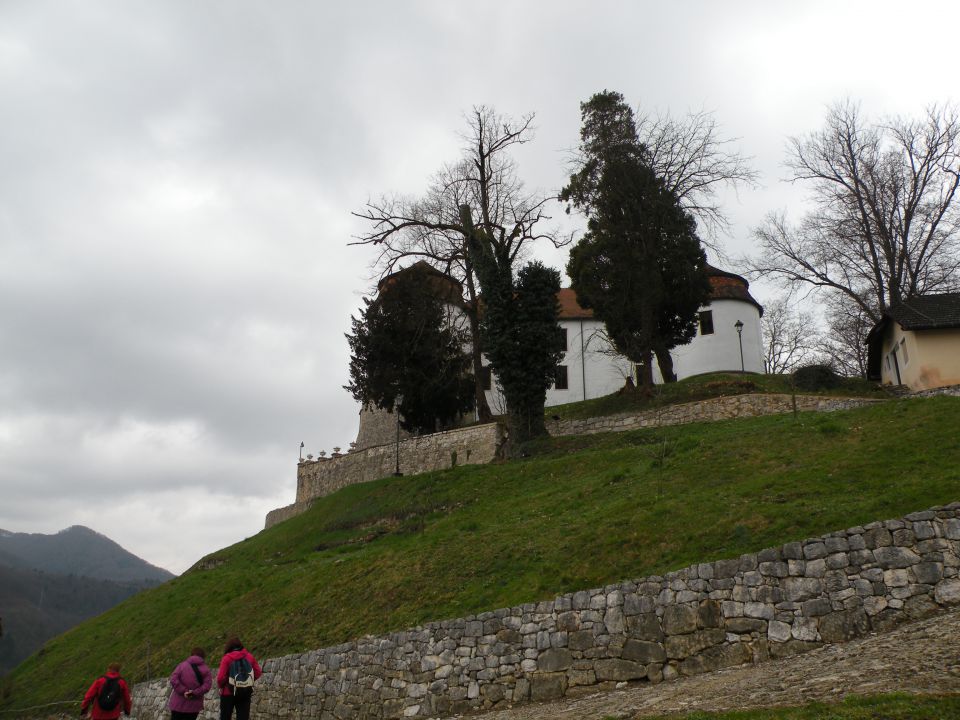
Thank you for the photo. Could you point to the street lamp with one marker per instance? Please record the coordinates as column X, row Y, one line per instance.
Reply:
column 739, row 326
column 396, row 409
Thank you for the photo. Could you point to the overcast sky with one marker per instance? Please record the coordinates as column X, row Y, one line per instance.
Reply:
column 177, row 176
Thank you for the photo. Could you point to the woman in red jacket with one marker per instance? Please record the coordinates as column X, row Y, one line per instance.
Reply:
column 230, row 696
column 110, row 689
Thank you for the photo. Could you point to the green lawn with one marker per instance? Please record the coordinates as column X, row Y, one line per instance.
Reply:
column 579, row 512
column 880, row 707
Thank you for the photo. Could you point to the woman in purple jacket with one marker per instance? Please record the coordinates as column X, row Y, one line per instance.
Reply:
column 191, row 680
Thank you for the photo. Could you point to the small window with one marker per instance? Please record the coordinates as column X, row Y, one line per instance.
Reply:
column 560, row 378
column 706, row 322
column 903, row 349
column 563, row 338
column 485, row 377
column 887, row 358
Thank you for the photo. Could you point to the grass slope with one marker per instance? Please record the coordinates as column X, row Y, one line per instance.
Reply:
column 581, row 512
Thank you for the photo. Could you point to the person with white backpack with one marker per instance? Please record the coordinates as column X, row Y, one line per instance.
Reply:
column 238, row 671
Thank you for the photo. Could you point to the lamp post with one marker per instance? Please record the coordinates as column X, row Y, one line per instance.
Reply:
column 739, row 326
column 396, row 409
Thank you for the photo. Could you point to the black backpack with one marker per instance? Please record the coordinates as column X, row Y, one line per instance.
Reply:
column 241, row 677
column 110, row 693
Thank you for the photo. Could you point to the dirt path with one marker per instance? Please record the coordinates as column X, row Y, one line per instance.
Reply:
column 921, row 657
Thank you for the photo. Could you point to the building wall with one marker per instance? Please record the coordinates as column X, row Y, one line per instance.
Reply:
column 926, row 358
column 777, row 602
column 721, row 350
column 317, row 478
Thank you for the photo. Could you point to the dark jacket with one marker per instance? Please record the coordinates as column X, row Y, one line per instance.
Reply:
column 223, row 675
column 91, row 699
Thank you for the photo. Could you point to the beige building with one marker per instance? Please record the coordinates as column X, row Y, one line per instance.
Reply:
column 917, row 343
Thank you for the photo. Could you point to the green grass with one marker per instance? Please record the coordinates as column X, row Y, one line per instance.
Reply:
column 879, row 707
column 702, row 387
column 580, row 512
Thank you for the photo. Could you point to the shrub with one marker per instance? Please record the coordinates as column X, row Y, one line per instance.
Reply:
column 815, row 377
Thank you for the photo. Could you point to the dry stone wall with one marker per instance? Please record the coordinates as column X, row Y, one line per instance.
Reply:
column 723, row 408
column 780, row 601
column 317, row 478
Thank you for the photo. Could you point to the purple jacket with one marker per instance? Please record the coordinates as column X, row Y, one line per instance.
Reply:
column 184, row 679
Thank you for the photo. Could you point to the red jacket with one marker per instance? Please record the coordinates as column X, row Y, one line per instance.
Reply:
column 91, row 699
column 223, row 675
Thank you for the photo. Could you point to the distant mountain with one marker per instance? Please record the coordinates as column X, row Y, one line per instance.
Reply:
column 49, row 583
column 77, row 550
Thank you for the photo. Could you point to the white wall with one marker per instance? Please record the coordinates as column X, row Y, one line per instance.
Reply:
column 594, row 371
column 721, row 351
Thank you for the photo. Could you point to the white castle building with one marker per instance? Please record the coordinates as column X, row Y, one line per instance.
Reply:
column 591, row 368
column 728, row 339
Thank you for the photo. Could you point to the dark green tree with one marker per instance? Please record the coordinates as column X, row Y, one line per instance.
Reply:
column 519, row 329
column 406, row 355
column 640, row 265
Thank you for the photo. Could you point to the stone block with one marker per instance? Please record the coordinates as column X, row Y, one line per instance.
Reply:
column 745, row 625
column 895, row 557
column 709, row 614
column 726, row 568
column 645, row 626
column 679, row 647
column 844, row 625
column 778, row 632
column 792, row 551
column 644, row 651
column 877, row 538
column 947, row 592
column 716, row 658
column 758, row 610
column 816, row 607
column 814, row 551
column 928, row 573
column 547, row 686
column 805, row 629
column 580, row 640
column 679, row 619
column 797, row 589
column 619, row 670
column 554, row 660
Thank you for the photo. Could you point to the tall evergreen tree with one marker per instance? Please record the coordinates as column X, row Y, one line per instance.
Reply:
column 406, row 355
column 640, row 265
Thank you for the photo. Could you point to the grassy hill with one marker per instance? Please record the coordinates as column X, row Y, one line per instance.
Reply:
column 580, row 512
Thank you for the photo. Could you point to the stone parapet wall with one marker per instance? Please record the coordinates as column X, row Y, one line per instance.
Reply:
column 722, row 408
column 473, row 445
column 777, row 602
column 949, row 391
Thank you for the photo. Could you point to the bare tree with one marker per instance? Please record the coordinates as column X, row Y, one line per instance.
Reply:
column 790, row 336
column 506, row 217
column 695, row 161
column 844, row 345
column 886, row 219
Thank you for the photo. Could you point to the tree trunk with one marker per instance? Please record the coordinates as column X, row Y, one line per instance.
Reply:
column 480, row 396
column 665, row 361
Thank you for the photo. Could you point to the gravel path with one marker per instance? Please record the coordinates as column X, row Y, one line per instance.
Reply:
column 920, row 657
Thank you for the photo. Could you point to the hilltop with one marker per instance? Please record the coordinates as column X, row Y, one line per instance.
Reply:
column 50, row 583
column 579, row 512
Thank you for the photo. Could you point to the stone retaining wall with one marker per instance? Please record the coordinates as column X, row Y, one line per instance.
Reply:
column 473, row 445
column 777, row 602
column 722, row 408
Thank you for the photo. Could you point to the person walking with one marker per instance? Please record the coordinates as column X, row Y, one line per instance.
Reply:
column 238, row 670
column 107, row 696
column 190, row 680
